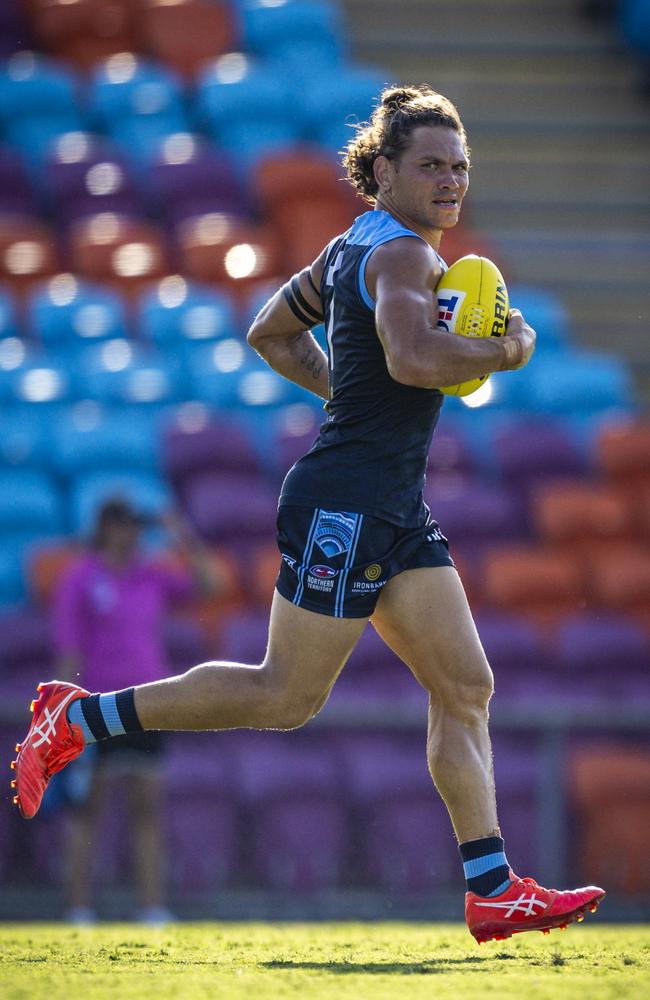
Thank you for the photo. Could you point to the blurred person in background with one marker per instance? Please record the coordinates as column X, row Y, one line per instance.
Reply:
column 108, row 616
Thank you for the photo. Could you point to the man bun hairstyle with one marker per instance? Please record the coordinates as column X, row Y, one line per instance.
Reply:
column 400, row 110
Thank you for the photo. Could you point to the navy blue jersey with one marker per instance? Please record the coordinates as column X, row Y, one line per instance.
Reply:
column 371, row 453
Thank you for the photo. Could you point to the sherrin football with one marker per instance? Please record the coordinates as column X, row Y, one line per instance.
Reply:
column 472, row 301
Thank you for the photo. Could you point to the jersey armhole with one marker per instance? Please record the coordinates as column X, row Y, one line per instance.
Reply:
column 361, row 278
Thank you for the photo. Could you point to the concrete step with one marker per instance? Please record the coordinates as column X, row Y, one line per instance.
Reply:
column 492, row 215
column 514, row 22
column 532, row 141
column 547, row 258
column 575, row 180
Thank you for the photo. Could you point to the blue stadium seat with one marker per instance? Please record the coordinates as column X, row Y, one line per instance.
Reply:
column 546, row 313
column 634, row 19
column 137, row 102
column 332, row 99
column 575, row 382
column 38, row 101
column 271, row 27
column 177, row 313
column 40, row 380
column 119, row 373
column 148, row 492
column 68, row 310
column 12, row 577
column 29, row 503
column 89, row 437
column 24, row 437
column 8, row 317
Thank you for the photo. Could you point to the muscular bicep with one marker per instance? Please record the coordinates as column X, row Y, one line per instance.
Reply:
column 403, row 276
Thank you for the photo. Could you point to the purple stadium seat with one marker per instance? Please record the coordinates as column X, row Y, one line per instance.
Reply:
column 85, row 175
column 405, row 839
column 189, row 177
column 16, row 195
column 522, row 661
column 216, row 445
column 527, row 453
column 201, row 814
column 472, row 510
column 225, row 505
column 25, row 652
column 243, row 637
column 297, row 823
column 517, row 775
column 184, row 643
column 603, row 658
column 450, row 452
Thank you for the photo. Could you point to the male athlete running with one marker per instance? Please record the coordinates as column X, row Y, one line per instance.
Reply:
column 356, row 539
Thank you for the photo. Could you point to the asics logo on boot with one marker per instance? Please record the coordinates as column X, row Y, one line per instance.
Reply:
column 525, row 904
column 47, row 727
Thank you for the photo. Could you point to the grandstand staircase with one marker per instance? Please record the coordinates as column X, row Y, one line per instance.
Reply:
column 560, row 135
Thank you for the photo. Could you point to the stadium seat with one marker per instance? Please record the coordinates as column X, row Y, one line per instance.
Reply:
column 330, row 100
column 623, row 452
column 472, row 511
column 38, row 102
column 146, row 491
column 69, row 311
column 608, row 786
column 118, row 250
column 619, row 579
column 25, row 645
column 188, row 176
column 16, row 192
column 222, row 249
column 214, row 443
column 175, row 314
column 403, row 840
column 9, row 323
column 118, row 373
column 244, row 636
column 545, row 312
column 24, row 436
column 296, row 822
column 88, row 437
column 41, row 381
column 85, row 174
column 29, row 502
column 602, row 658
column 523, row 662
column 28, row 252
column 277, row 30
column 529, row 452
column 46, row 564
column 15, row 30
column 84, row 32
column 581, row 516
column 224, row 505
column 137, row 102
column 185, row 34
column 540, row 583
column 550, row 385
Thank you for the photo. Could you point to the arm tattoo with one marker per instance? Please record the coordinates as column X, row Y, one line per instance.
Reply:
column 307, row 357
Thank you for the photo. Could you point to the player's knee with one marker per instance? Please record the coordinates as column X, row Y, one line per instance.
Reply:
column 469, row 698
column 283, row 707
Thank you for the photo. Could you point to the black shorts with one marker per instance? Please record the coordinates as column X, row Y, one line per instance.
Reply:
column 336, row 562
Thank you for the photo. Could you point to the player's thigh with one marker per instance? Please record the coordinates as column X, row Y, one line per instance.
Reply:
column 307, row 651
column 423, row 615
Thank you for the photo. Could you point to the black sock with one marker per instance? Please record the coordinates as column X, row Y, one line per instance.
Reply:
column 104, row 715
column 485, row 865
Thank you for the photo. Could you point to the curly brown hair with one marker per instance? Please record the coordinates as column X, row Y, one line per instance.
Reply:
column 400, row 110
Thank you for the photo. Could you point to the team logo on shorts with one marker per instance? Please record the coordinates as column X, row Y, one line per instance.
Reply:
column 323, row 572
column 372, row 572
column 334, row 531
column 290, row 561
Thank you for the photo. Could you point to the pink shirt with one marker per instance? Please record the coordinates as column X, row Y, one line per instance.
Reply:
column 113, row 619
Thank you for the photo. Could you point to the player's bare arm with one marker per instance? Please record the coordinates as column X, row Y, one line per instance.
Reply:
column 281, row 331
column 402, row 276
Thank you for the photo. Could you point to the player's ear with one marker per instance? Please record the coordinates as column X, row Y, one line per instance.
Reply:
column 383, row 171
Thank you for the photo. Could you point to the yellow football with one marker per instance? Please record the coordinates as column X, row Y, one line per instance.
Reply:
column 472, row 301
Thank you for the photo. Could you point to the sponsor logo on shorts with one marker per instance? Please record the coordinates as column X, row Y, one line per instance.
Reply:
column 334, row 531
column 362, row 587
column 372, row 572
column 324, row 572
column 291, row 563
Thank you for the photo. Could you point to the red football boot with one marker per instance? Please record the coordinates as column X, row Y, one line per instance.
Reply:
column 50, row 744
column 527, row 906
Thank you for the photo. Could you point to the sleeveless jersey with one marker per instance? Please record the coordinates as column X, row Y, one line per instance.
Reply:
column 371, row 453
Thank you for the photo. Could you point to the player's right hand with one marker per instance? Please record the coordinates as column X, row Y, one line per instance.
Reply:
column 519, row 330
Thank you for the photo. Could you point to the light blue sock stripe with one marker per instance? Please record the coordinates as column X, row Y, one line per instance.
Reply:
column 76, row 717
column 108, row 708
column 500, row 888
column 479, row 866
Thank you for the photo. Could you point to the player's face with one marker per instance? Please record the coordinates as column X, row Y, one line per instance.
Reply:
column 431, row 177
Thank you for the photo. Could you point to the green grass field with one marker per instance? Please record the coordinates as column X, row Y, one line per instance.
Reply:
column 263, row 961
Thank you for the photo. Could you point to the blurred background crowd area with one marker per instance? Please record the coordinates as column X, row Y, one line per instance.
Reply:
column 164, row 166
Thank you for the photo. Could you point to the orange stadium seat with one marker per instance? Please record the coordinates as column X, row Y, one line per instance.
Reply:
column 619, row 578
column 623, row 452
column 226, row 250
column 609, row 791
column 83, row 32
column 581, row 515
column 119, row 250
column 303, row 195
column 47, row 565
column 211, row 613
column 541, row 583
column 28, row 252
column 185, row 34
